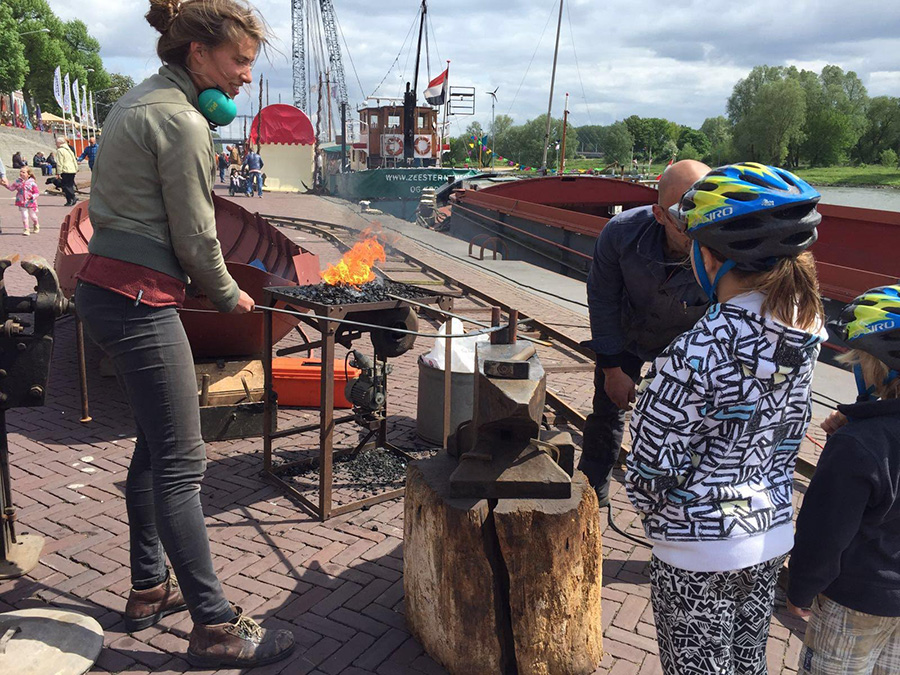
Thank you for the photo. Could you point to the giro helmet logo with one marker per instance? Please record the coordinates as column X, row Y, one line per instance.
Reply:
column 882, row 326
column 718, row 214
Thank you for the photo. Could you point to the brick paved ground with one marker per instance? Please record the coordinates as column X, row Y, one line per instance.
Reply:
column 337, row 585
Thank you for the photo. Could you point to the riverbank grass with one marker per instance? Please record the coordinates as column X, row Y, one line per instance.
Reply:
column 852, row 176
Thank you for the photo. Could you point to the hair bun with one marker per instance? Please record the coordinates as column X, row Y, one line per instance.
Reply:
column 162, row 14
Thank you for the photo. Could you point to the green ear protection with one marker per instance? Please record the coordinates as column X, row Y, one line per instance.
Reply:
column 217, row 107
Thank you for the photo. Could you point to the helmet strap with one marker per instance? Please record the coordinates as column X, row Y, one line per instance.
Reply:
column 709, row 287
column 865, row 393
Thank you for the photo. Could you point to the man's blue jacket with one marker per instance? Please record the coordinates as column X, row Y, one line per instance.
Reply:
column 639, row 300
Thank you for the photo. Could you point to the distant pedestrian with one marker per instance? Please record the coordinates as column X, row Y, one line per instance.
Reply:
column 222, row 159
column 253, row 164
column 89, row 153
column 68, row 167
column 18, row 161
column 27, row 191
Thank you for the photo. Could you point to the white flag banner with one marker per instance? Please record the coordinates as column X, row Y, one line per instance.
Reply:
column 86, row 112
column 91, row 109
column 57, row 87
column 67, row 96
column 77, row 96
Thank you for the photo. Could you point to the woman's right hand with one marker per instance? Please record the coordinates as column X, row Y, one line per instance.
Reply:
column 244, row 304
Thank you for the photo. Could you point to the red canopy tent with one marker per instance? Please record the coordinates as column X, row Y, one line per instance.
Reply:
column 282, row 124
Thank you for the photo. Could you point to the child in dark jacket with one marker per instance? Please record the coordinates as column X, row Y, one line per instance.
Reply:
column 235, row 183
column 845, row 566
column 715, row 434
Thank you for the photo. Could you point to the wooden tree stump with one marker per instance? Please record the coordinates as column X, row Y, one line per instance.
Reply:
column 513, row 586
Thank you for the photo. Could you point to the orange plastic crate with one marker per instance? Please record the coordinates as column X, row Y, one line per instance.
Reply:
column 298, row 381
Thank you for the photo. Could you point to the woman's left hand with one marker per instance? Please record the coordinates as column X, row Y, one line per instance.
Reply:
column 797, row 611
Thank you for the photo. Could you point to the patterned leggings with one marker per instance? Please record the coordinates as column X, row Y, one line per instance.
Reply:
column 713, row 623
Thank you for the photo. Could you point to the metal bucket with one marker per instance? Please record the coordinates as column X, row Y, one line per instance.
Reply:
column 430, row 406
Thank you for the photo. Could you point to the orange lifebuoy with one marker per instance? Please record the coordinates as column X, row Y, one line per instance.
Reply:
column 393, row 147
column 423, row 146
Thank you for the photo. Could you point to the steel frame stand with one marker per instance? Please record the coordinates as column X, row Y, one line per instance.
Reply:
column 327, row 421
column 18, row 554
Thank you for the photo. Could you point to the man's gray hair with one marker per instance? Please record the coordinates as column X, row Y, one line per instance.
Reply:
column 61, row 139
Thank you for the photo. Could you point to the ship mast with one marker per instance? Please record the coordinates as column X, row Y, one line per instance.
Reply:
column 552, row 82
column 409, row 98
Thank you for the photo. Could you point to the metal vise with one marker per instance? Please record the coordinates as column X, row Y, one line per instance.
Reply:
column 25, row 354
column 26, row 345
column 502, row 451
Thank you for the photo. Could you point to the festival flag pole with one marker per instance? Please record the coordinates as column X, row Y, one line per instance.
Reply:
column 67, row 98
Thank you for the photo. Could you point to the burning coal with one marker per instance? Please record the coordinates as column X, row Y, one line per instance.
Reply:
column 348, row 294
column 355, row 267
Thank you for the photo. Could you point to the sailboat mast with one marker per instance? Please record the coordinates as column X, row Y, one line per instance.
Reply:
column 552, row 82
column 409, row 100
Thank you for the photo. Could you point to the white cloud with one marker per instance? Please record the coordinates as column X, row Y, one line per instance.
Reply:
column 677, row 59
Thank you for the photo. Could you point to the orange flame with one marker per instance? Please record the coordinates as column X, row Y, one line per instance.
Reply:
column 355, row 267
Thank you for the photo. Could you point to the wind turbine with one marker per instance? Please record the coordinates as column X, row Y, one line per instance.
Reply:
column 493, row 95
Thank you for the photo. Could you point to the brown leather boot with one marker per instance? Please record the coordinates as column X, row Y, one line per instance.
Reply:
column 239, row 643
column 145, row 608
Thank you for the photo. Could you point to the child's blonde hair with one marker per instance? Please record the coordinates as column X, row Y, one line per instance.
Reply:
column 791, row 289
column 29, row 171
column 874, row 371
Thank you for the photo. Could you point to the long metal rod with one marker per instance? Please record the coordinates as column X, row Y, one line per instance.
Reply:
column 438, row 336
column 483, row 324
column 552, row 83
column 82, row 370
column 7, row 513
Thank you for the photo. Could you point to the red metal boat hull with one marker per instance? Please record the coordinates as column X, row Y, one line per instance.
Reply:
column 559, row 218
column 245, row 238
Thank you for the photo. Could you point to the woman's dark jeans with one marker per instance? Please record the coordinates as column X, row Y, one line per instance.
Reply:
column 152, row 358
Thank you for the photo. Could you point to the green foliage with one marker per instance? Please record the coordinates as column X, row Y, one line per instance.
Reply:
column 13, row 66
column 616, row 143
column 721, row 148
column 767, row 110
column 651, row 135
column 689, row 152
column 882, row 129
column 698, row 141
column 67, row 45
column 888, row 157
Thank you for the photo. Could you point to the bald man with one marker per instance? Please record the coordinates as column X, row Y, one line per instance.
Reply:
column 641, row 294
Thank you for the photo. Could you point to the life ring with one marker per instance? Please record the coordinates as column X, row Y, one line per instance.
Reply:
column 423, row 146
column 393, row 147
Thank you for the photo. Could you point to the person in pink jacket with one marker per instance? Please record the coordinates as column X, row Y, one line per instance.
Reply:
column 26, row 190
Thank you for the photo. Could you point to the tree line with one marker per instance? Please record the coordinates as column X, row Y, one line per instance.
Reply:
column 776, row 115
column 34, row 41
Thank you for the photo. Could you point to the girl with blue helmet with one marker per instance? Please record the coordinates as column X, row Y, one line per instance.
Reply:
column 844, row 573
column 715, row 434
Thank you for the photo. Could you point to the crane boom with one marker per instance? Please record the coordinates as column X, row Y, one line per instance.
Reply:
column 298, row 53
column 334, row 48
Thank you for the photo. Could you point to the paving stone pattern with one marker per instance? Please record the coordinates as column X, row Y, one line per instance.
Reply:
column 336, row 585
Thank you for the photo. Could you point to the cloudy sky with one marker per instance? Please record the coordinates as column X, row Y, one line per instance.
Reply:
column 677, row 59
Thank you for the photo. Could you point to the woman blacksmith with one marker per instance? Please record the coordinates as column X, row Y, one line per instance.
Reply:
column 154, row 229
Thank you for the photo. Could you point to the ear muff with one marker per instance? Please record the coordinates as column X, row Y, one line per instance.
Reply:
column 217, row 107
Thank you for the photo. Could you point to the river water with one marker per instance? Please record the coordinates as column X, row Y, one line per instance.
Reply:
column 884, row 199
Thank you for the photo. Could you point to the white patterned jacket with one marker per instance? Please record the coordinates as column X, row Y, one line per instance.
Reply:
column 715, row 437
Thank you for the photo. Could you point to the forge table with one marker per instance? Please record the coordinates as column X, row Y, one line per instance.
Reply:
column 329, row 334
